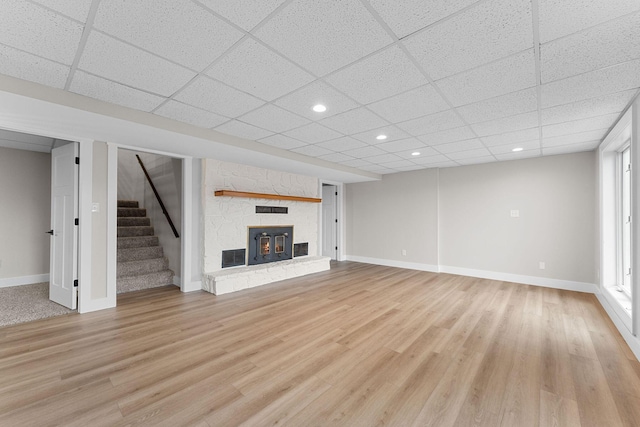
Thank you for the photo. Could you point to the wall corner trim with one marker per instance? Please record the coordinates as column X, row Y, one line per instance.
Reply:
column 632, row 341
column 23, row 280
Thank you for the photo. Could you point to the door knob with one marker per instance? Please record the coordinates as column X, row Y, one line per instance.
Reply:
column 50, row 232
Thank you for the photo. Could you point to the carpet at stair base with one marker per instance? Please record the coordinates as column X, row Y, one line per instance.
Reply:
column 141, row 260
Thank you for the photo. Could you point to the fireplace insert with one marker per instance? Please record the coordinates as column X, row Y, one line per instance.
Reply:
column 269, row 244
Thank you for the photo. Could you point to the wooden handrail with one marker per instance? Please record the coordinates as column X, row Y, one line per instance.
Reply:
column 231, row 193
column 153, row 187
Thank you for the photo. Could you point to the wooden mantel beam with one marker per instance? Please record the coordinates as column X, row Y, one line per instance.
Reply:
column 230, row 193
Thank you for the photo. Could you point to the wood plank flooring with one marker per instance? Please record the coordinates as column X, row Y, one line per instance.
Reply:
column 359, row 345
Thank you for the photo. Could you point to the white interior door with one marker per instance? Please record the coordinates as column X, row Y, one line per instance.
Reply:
column 329, row 221
column 64, row 233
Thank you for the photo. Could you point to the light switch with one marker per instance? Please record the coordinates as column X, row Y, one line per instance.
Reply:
column 95, row 207
column 515, row 213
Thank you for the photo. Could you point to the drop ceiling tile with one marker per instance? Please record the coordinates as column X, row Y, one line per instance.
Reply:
column 356, row 163
column 508, row 148
column 342, row 144
column 510, row 104
column 313, row 133
column 592, row 123
column 336, row 157
column 273, row 118
column 575, row 138
column 115, row 93
column 378, row 169
column 486, row 32
column 36, row 30
column 594, row 107
column 607, row 44
column 400, row 164
column 512, row 137
column 377, row 76
column 424, row 152
column 432, row 123
column 364, row 152
column 281, row 141
column 312, row 151
column 188, row 114
column 571, row 148
column 392, row 133
column 354, row 121
column 593, row 84
column 416, row 14
column 507, row 124
column 384, row 158
column 120, row 62
column 432, row 160
column 180, row 31
column 583, row 14
column 410, row 105
column 413, row 167
column 246, row 13
column 259, row 71
column 302, row 101
column 243, row 130
column 22, row 65
column 519, row 155
column 454, row 147
column 450, row 135
column 324, row 36
column 469, row 154
column 507, row 75
column 218, row 98
column 401, row 145
column 476, row 160
column 76, row 9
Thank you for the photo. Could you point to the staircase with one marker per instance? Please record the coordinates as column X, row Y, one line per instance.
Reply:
column 141, row 260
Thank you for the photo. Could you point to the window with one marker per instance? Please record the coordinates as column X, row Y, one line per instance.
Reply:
column 624, row 219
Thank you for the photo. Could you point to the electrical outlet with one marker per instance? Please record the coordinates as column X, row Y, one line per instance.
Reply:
column 404, row 252
column 542, row 265
column 515, row 213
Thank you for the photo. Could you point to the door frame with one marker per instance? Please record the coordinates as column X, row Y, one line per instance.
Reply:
column 342, row 253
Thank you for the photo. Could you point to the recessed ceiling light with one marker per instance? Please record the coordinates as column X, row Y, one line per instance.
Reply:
column 319, row 108
column 515, row 150
column 381, row 137
column 415, row 153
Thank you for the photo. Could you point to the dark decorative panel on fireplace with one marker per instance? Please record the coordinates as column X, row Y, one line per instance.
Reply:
column 300, row 249
column 272, row 209
column 269, row 244
column 233, row 258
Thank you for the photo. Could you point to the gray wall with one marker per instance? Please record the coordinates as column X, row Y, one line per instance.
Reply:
column 25, row 212
column 466, row 212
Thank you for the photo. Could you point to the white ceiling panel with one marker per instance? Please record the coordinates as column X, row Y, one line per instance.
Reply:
column 312, row 151
column 594, row 107
column 354, row 121
column 323, row 36
column 355, row 163
column 410, row 105
column 304, row 99
column 39, row 31
column 574, row 138
column 592, row 123
column 508, row 148
column 16, row 63
column 115, row 93
column 450, row 135
column 507, row 75
column 273, row 118
column 188, row 114
column 486, row 32
column 476, row 160
column 432, row 160
column 378, row 169
column 183, row 31
column 399, row 165
column 571, row 148
column 454, row 147
column 376, row 77
column 336, row 157
column 507, row 124
column 342, row 144
column 607, row 44
column 416, row 14
column 519, row 155
column 510, row 104
column 512, row 137
column 218, row 98
column 364, row 152
column 401, row 145
column 432, row 123
column 413, row 167
column 384, row 158
column 597, row 83
column 76, row 9
column 283, row 142
column 114, row 60
column 244, row 13
column 424, row 152
column 392, row 133
column 561, row 17
column 253, row 68
column 243, row 130
column 313, row 133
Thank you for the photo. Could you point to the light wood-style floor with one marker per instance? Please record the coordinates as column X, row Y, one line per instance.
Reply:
column 360, row 345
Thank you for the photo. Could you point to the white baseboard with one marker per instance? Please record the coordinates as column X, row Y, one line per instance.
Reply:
column 631, row 340
column 393, row 263
column 194, row 285
column 24, row 280
column 96, row 305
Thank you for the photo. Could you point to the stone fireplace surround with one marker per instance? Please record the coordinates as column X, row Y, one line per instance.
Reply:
column 226, row 220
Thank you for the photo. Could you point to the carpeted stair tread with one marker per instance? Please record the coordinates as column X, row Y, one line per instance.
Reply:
column 128, row 204
column 140, row 253
column 134, row 221
column 136, row 268
column 124, row 212
column 145, row 281
column 135, row 231
column 137, row 242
